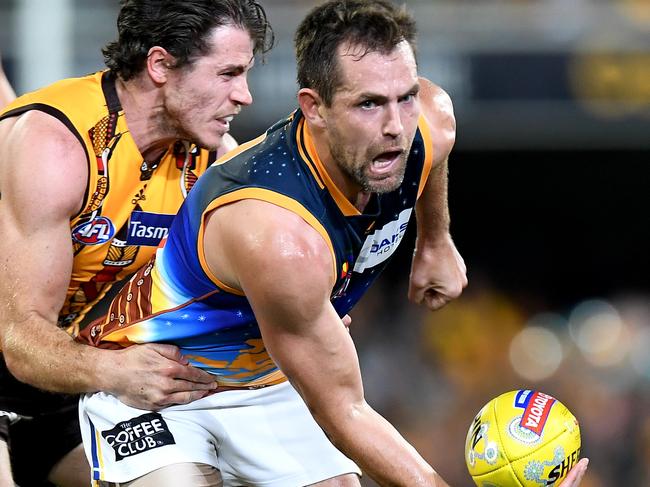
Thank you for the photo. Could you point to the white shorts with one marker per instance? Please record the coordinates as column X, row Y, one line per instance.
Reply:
column 263, row 437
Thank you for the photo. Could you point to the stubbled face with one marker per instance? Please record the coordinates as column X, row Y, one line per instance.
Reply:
column 202, row 98
column 373, row 117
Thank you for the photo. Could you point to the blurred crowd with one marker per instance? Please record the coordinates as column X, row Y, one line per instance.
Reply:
column 430, row 373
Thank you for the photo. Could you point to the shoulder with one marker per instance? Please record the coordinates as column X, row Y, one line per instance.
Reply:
column 271, row 245
column 47, row 158
column 438, row 110
column 286, row 235
column 36, row 124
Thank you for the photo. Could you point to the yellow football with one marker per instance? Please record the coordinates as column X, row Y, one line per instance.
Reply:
column 522, row 438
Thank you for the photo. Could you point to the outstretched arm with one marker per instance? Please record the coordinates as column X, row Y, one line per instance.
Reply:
column 438, row 272
column 41, row 188
column 7, row 93
column 285, row 268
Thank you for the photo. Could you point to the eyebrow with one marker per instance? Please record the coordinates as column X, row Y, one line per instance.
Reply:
column 367, row 95
column 238, row 67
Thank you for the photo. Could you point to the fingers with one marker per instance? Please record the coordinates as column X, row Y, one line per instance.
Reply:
column 435, row 292
column 171, row 352
column 180, row 368
column 194, row 375
column 575, row 475
column 154, row 393
column 187, row 397
column 435, row 300
column 415, row 293
column 157, row 400
column 153, row 376
column 438, row 275
column 432, row 298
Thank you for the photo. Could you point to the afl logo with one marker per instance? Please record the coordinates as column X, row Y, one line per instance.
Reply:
column 97, row 231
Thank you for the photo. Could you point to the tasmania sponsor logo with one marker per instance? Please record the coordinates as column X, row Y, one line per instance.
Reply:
column 138, row 435
column 383, row 242
column 97, row 231
column 538, row 407
column 148, row 229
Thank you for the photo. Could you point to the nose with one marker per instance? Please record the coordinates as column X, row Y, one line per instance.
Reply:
column 240, row 94
column 393, row 124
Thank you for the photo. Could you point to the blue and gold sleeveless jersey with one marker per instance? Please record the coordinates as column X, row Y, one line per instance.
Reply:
column 175, row 298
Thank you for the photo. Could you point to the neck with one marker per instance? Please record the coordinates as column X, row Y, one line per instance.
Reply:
column 143, row 111
column 361, row 200
column 350, row 189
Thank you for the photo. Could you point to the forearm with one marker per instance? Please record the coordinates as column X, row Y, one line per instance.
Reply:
column 39, row 353
column 432, row 209
column 378, row 448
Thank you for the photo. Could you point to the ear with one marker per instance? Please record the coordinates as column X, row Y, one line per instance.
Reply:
column 159, row 62
column 312, row 107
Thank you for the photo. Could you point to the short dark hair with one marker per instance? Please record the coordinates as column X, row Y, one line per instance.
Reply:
column 182, row 28
column 374, row 25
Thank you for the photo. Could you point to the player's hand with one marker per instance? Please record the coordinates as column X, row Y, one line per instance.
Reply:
column 154, row 376
column 438, row 274
column 575, row 475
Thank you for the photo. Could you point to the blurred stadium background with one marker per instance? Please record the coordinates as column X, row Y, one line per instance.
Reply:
column 549, row 194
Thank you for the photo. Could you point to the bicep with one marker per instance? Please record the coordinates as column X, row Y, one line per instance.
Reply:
column 42, row 182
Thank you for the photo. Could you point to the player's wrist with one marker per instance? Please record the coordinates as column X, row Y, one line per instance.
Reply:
column 432, row 248
column 101, row 369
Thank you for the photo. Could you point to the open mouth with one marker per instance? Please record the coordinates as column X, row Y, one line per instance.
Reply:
column 385, row 161
column 225, row 121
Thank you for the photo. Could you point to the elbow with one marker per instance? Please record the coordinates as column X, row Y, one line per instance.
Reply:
column 17, row 358
column 339, row 420
column 16, row 365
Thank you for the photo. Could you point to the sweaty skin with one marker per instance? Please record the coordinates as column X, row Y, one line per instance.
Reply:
column 300, row 328
column 37, row 253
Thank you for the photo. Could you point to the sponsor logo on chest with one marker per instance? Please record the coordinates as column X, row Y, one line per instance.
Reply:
column 138, row 435
column 148, row 229
column 381, row 244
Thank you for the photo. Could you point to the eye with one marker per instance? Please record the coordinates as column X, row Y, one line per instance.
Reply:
column 408, row 98
column 231, row 73
column 368, row 104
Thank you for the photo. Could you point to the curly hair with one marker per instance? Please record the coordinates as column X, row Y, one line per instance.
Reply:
column 182, row 28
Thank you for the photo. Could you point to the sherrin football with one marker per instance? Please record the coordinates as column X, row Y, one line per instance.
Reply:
column 522, row 438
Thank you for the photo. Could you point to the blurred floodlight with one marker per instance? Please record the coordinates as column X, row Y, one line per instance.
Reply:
column 597, row 329
column 535, row 353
